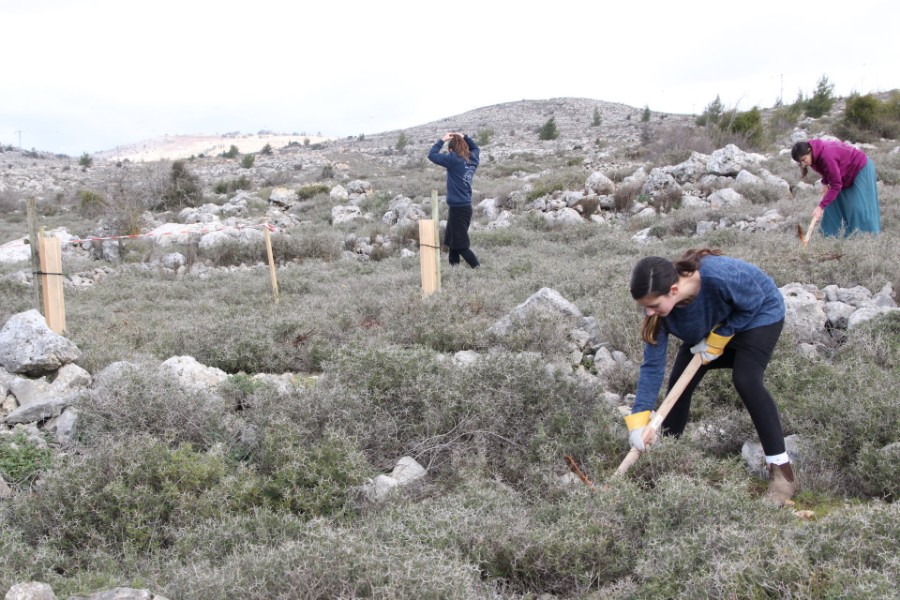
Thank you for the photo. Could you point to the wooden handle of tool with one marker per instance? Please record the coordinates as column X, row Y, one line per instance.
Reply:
column 663, row 411
column 809, row 232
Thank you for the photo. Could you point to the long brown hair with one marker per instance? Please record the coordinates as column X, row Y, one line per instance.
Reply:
column 459, row 146
column 654, row 276
column 798, row 151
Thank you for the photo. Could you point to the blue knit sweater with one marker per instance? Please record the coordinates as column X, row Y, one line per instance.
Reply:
column 459, row 172
column 734, row 294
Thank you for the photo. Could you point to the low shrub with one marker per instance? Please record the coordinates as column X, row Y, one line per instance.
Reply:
column 132, row 399
column 229, row 187
column 311, row 190
column 22, row 460
column 127, row 495
column 565, row 179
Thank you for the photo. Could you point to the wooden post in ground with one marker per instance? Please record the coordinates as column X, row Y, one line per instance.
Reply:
column 435, row 216
column 35, row 251
column 271, row 263
column 427, row 250
column 52, row 282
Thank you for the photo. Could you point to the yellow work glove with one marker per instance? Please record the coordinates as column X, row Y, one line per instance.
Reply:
column 712, row 347
column 636, row 424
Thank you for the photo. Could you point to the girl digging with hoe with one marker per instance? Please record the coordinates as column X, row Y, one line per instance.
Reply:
column 731, row 313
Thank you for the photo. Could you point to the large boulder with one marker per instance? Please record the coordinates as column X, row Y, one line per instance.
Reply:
column 29, row 346
column 804, row 312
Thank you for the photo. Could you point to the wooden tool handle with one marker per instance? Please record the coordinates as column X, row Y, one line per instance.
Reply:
column 663, row 411
column 812, row 227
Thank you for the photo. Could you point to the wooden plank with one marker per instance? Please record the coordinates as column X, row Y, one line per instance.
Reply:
column 272, row 272
column 52, row 283
column 427, row 255
column 435, row 216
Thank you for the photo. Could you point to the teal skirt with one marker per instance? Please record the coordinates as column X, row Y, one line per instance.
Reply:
column 855, row 208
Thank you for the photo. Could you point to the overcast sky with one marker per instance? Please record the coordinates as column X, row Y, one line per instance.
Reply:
column 90, row 75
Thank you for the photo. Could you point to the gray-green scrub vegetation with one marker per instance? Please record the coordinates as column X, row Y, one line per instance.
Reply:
column 163, row 492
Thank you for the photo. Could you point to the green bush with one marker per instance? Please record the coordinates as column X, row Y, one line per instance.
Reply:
column 320, row 560
column 549, row 130
column 711, row 113
column 229, row 187
column 402, row 141
column 132, row 399
column 822, row 100
column 86, row 160
column 232, row 152
column 747, row 125
column 309, row 476
column 128, row 496
column 866, row 118
column 183, row 190
column 311, row 190
column 248, row 161
column 561, row 180
column 91, row 204
column 22, row 460
column 483, row 136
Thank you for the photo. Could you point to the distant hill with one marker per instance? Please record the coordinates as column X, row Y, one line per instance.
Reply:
column 508, row 121
column 172, row 147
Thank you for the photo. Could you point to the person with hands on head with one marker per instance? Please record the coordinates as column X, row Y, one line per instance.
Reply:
column 731, row 313
column 460, row 162
column 849, row 188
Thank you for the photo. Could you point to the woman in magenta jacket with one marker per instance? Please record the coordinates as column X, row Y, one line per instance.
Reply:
column 850, row 194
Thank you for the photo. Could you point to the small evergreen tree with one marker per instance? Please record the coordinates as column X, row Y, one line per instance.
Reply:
column 248, row 161
column 266, row 150
column 747, row 124
column 549, row 130
column 232, row 152
column 596, row 121
column 712, row 113
column 645, row 116
column 86, row 160
column 183, row 189
column 483, row 136
column 822, row 99
column 402, row 141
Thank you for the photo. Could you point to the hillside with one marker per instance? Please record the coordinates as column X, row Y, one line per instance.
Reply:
column 200, row 433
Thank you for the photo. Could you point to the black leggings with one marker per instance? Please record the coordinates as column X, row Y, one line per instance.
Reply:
column 466, row 254
column 747, row 355
column 456, row 236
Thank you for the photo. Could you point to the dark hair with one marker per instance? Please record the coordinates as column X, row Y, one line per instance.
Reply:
column 798, row 151
column 459, row 146
column 654, row 276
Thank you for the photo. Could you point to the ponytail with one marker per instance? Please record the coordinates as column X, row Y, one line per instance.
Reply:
column 654, row 276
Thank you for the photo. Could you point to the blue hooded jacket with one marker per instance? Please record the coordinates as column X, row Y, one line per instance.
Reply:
column 459, row 172
column 734, row 294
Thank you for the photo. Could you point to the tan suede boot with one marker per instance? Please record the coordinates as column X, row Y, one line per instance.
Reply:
column 782, row 484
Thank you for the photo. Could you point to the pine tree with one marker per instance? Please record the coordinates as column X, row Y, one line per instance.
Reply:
column 549, row 130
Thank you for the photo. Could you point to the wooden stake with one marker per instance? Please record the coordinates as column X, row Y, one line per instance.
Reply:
column 427, row 261
column 435, row 216
column 35, row 254
column 51, row 281
column 271, row 264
